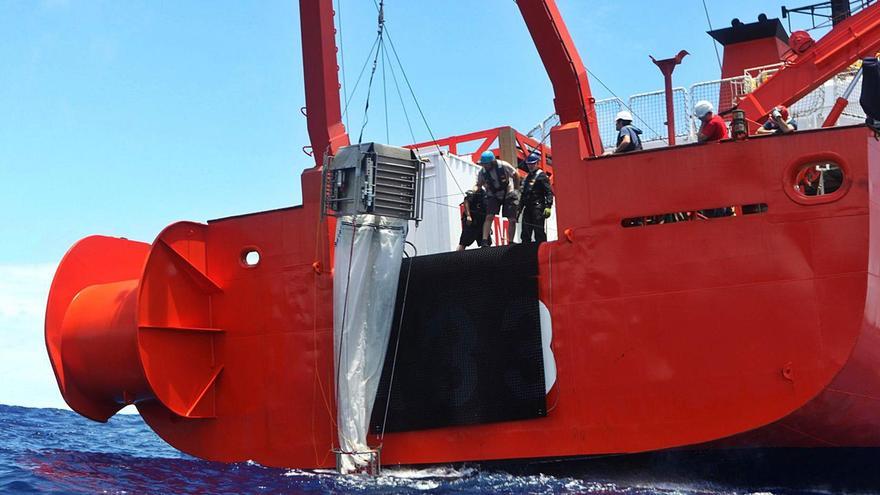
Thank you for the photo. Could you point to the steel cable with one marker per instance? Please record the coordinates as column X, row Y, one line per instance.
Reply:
column 714, row 42
column 381, row 44
column 342, row 57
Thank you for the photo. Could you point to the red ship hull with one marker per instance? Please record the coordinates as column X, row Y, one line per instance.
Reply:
column 750, row 330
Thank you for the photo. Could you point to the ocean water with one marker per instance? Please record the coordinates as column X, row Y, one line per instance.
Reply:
column 56, row 451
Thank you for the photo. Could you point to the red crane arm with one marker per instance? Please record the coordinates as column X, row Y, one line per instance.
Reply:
column 574, row 102
column 321, row 74
column 850, row 40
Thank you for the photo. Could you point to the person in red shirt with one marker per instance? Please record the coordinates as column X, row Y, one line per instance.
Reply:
column 713, row 128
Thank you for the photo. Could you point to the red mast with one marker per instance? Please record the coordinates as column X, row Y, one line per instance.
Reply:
column 321, row 74
column 667, row 66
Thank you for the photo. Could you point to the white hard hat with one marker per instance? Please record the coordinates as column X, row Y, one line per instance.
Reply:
column 702, row 108
column 624, row 115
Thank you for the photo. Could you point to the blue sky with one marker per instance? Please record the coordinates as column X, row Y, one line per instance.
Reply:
column 122, row 117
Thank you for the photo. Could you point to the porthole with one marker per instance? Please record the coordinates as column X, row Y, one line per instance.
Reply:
column 250, row 257
column 816, row 179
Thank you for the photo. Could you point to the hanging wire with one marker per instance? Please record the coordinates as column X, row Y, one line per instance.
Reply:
column 421, row 112
column 377, row 46
column 594, row 76
column 399, row 330
column 319, row 383
column 360, row 76
column 342, row 58
column 820, row 26
column 385, row 94
column 714, row 41
column 402, row 104
column 546, row 226
column 387, row 35
column 380, row 42
column 380, row 7
column 409, row 86
column 354, row 233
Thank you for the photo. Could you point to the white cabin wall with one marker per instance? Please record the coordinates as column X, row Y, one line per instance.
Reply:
column 447, row 178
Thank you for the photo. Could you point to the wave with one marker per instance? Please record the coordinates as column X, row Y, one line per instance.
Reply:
column 57, row 451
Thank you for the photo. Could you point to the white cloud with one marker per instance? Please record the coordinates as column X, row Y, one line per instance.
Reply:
column 26, row 377
column 23, row 290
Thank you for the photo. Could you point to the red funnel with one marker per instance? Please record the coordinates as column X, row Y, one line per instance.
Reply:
column 90, row 325
column 128, row 322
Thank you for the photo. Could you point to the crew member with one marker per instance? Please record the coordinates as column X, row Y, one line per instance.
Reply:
column 535, row 201
column 778, row 123
column 501, row 183
column 473, row 215
column 628, row 138
column 713, row 127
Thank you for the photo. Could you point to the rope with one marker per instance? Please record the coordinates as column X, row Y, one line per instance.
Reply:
column 319, row 251
column 714, row 42
column 397, row 342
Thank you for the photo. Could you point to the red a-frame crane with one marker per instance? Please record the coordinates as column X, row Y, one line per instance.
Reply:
column 573, row 101
column 851, row 39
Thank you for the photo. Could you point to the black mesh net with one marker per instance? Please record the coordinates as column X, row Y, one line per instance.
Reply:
column 470, row 344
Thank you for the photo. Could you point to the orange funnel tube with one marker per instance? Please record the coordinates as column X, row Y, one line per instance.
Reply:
column 91, row 328
column 129, row 322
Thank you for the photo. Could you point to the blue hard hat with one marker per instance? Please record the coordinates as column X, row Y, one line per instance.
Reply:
column 487, row 157
column 533, row 158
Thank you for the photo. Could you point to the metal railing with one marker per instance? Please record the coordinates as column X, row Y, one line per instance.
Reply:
column 649, row 109
column 649, row 112
column 722, row 93
column 606, row 112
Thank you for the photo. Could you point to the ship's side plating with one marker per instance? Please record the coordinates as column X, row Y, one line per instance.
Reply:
column 685, row 333
column 664, row 335
column 755, row 329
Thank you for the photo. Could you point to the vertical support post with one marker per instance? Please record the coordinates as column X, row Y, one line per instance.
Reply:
column 666, row 67
column 507, row 145
column 840, row 10
column 670, row 109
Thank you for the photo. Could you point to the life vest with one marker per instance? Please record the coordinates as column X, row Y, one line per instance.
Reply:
column 477, row 206
column 529, row 186
column 497, row 179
